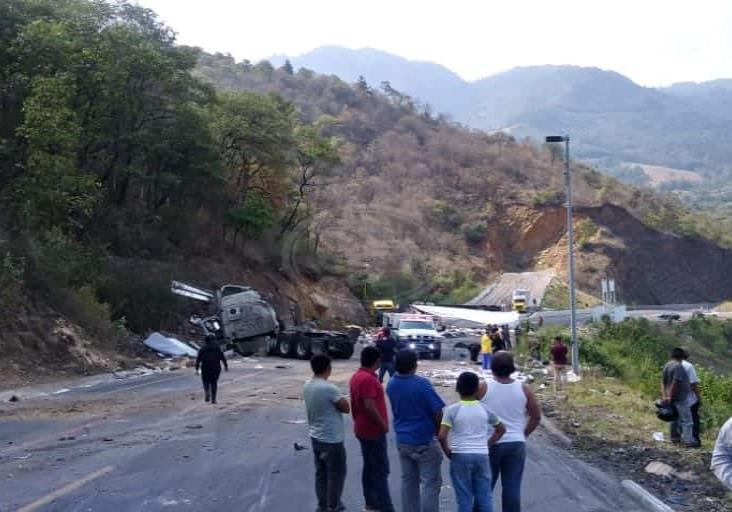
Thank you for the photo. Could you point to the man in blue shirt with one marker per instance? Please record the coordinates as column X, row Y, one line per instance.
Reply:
column 417, row 411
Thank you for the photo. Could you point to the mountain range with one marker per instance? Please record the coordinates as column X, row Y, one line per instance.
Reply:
column 613, row 121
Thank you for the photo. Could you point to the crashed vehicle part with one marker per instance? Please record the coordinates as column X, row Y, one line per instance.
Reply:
column 304, row 344
column 243, row 319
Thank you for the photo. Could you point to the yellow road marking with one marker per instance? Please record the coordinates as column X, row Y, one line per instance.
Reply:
column 65, row 490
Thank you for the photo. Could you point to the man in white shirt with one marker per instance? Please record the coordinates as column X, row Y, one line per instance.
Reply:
column 693, row 401
column 722, row 455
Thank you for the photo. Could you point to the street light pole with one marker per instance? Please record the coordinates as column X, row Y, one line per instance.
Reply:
column 570, row 244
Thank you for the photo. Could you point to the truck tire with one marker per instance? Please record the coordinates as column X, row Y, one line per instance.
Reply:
column 302, row 349
column 346, row 352
column 437, row 354
column 284, row 348
column 272, row 345
column 245, row 349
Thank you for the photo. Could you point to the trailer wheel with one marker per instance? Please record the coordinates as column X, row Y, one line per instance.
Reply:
column 302, row 349
column 346, row 351
column 272, row 345
column 283, row 348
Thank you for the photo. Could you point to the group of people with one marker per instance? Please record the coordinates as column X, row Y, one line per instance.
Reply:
column 483, row 434
column 680, row 388
column 494, row 340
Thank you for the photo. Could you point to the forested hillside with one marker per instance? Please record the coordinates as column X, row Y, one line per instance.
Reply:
column 615, row 123
column 120, row 170
column 437, row 208
column 127, row 160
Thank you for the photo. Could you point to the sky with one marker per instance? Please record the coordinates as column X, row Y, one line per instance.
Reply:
column 652, row 42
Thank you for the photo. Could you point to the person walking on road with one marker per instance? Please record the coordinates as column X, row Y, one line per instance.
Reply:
column 417, row 412
column 468, row 429
column 209, row 361
column 519, row 411
column 722, row 455
column 694, row 401
column 486, row 348
column 387, row 347
column 675, row 389
column 371, row 424
column 558, row 356
column 325, row 406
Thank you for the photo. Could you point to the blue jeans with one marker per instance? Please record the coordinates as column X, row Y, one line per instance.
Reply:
column 487, row 361
column 421, row 477
column 507, row 461
column 375, row 475
column 684, row 424
column 386, row 368
column 471, row 479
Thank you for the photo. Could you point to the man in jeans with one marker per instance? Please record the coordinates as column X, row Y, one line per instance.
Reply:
column 387, row 347
column 467, row 429
column 371, row 424
column 694, row 399
column 417, row 411
column 520, row 412
column 325, row 407
column 675, row 389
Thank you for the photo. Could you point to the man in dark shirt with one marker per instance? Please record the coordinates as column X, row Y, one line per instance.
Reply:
column 209, row 360
column 371, row 424
column 558, row 356
column 497, row 340
column 387, row 347
column 417, row 411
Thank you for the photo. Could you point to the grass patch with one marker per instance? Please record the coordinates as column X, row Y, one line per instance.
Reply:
column 612, row 424
column 556, row 296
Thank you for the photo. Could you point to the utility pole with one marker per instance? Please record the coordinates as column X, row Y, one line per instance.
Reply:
column 570, row 243
column 570, row 248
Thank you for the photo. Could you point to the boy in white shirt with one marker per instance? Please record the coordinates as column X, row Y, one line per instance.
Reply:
column 470, row 428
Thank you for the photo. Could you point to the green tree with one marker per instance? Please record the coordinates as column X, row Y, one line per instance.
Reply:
column 254, row 134
column 314, row 155
column 287, row 67
column 251, row 218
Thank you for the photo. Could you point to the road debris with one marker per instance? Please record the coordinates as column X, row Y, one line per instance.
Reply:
column 67, row 438
column 659, row 469
column 23, row 457
column 298, row 447
column 194, row 427
column 658, row 436
column 169, row 346
column 283, row 366
column 14, row 398
column 294, row 422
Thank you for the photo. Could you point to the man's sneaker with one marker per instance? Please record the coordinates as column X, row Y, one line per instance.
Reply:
column 208, row 397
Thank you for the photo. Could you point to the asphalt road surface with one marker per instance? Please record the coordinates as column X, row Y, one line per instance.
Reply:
column 150, row 443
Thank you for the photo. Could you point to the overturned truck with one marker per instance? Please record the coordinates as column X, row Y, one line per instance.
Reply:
column 244, row 321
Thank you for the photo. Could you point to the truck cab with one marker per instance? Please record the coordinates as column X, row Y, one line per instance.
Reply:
column 520, row 300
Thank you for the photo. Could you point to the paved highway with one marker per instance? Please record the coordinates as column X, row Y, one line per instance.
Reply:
column 150, row 443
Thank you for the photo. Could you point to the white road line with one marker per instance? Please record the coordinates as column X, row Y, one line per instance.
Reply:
column 149, row 383
column 65, row 490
